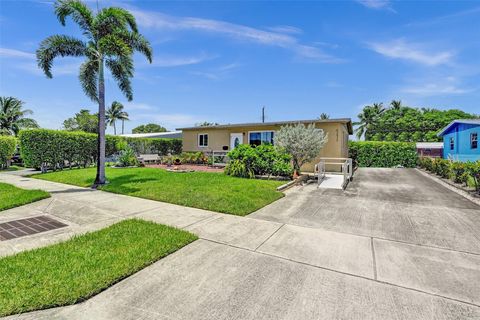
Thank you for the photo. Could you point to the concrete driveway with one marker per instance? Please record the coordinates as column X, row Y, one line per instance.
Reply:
column 395, row 245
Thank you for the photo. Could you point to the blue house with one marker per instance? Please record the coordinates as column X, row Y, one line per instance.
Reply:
column 460, row 140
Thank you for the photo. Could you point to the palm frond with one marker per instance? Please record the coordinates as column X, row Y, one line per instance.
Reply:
column 138, row 43
column 79, row 13
column 58, row 45
column 88, row 78
column 122, row 71
column 111, row 45
column 110, row 19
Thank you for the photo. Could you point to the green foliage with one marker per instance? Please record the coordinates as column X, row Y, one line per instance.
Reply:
column 74, row 270
column 247, row 161
column 383, row 154
column 43, row 148
column 7, row 149
column 149, row 128
column 206, row 124
column 114, row 113
column 459, row 172
column 82, row 121
column 402, row 123
column 238, row 168
column 127, row 158
column 13, row 116
column 442, row 167
column 193, row 157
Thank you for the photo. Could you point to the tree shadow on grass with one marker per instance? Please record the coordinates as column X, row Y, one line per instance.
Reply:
column 118, row 184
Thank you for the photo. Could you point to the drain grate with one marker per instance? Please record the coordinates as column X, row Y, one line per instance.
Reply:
column 25, row 227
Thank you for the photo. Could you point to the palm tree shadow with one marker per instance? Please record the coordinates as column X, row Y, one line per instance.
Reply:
column 119, row 184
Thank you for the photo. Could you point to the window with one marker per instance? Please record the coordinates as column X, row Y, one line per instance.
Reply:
column 473, row 140
column 260, row 137
column 452, row 143
column 203, row 140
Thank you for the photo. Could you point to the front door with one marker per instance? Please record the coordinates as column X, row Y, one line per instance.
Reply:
column 235, row 140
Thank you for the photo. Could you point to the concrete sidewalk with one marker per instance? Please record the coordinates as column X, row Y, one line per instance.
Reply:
column 249, row 268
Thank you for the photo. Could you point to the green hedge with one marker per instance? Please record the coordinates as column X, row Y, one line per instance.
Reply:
column 383, row 154
column 7, row 149
column 458, row 172
column 55, row 148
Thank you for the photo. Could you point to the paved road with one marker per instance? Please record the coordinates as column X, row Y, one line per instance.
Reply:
column 396, row 245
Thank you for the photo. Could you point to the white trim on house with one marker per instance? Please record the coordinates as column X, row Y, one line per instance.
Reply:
column 198, row 140
column 248, row 133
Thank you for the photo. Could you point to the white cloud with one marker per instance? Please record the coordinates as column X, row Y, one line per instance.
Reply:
column 60, row 69
column 376, row 4
column 437, row 87
column 157, row 20
column 175, row 61
column 401, row 49
column 286, row 29
column 137, row 106
column 13, row 53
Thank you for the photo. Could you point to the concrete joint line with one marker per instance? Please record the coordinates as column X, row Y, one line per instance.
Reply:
column 200, row 221
column 344, row 273
column 373, row 259
column 268, row 238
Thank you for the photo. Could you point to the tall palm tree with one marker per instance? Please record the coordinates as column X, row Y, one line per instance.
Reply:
column 12, row 116
column 111, row 37
column 114, row 113
column 367, row 119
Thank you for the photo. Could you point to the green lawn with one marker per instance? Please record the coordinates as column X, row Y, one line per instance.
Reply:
column 72, row 271
column 205, row 190
column 11, row 196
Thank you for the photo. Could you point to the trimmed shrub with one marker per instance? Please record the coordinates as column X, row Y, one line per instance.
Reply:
column 260, row 160
column 383, row 154
column 43, row 148
column 442, row 167
column 7, row 149
column 459, row 172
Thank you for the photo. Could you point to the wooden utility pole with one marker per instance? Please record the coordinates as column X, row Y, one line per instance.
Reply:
column 263, row 114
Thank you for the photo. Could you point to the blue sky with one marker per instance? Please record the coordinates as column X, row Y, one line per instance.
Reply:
column 221, row 61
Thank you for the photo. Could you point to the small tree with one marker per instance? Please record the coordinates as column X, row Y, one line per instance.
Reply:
column 302, row 142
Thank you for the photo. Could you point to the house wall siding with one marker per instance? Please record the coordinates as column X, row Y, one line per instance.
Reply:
column 336, row 147
column 460, row 133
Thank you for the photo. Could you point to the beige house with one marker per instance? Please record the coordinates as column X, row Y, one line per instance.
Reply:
column 226, row 137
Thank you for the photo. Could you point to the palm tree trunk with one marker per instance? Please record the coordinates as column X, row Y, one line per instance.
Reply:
column 114, row 129
column 123, row 125
column 100, row 178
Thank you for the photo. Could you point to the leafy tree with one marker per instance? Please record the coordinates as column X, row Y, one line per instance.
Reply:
column 82, row 121
column 149, row 128
column 114, row 113
column 302, row 142
column 206, row 124
column 13, row 116
column 324, row 116
column 111, row 37
column 367, row 119
column 403, row 123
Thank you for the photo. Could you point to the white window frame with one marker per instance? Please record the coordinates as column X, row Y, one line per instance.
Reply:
column 198, row 140
column 471, row 140
column 260, row 132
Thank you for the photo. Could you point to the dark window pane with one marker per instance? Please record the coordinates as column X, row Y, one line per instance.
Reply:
column 255, row 138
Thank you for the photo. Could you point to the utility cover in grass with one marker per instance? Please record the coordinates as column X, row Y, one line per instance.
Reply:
column 72, row 271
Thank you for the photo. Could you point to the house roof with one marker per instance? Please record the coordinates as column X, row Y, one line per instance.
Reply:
column 168, row 134
column 347, row 121
column 429, row 145
column 466, row 121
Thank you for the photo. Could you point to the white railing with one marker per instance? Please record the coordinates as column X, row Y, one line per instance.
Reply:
column 219, row 158
column 346, row 168
column 320, row 171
